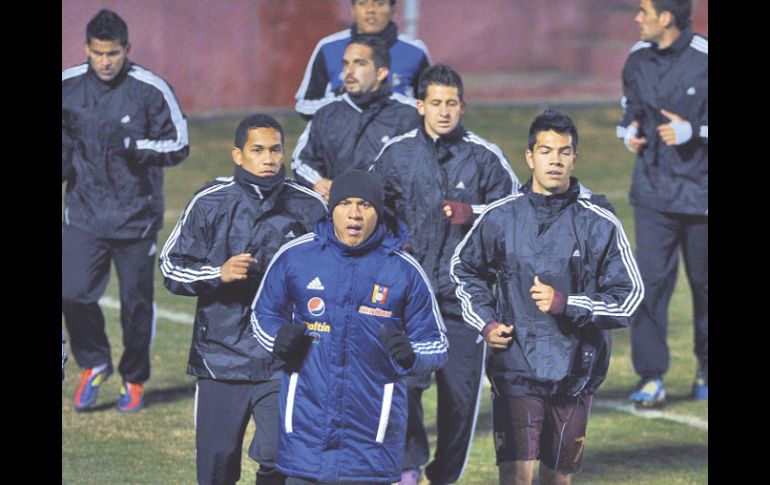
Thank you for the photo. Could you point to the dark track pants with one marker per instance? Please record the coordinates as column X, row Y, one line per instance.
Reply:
column 458, row 384
column 222, row 411
column 85, row 273
column 659, row 236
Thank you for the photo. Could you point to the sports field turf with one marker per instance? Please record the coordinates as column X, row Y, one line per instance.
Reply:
column 157, row 445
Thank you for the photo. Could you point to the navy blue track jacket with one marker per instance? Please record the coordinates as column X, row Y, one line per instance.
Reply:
column 572, row 244
column 343, row 412
column 418, row 174
column 344, row 135
column 230, row 216
column 669, row 178
column 114, row 192
column 323, row 74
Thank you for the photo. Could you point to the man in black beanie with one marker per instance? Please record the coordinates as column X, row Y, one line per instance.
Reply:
column 352, row 315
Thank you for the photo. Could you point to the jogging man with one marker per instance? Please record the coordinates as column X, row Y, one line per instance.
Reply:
column 218, row 251
column 121, row 124
column 564, row 274
column 437, row 179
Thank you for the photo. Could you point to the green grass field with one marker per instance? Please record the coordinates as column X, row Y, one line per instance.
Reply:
column 157, row 445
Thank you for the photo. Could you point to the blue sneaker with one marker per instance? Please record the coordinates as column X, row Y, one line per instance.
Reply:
column 88, row 389
column 700, row 390
column 650, row 393
column 131, row 397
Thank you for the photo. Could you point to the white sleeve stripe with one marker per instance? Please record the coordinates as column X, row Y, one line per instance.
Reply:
column 74, row 71
column 297, row 165
column 704, row 131
column 311, row 106
column 408, row 134
column 260, row 335
column 294, row 242
column 309, row 69
column 304, row 189
column 635, row 296
column 180, row 273
column 434, row 304
column 471, row 317
column 163, row 146
column 473, row 138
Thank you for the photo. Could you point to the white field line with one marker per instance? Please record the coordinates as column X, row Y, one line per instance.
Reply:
column 178, row 317
column 624, row 407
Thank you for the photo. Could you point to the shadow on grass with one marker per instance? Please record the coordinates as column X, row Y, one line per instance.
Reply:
column 152, row 397
column 612, row 466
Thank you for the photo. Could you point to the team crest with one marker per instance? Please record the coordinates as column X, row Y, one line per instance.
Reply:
column 316, row 306
column 379, row 294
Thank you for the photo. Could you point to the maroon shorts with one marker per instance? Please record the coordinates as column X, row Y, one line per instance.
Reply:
column 550, row 429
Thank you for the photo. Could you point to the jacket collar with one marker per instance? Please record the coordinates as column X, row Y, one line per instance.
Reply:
column 259, row 187
column 365, row 101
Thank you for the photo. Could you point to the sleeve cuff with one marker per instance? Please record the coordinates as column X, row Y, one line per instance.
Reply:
column 557, row 303
column 489, row 327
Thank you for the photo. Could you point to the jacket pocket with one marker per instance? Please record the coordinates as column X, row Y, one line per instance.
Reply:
column 287, row 420
column 387, row 399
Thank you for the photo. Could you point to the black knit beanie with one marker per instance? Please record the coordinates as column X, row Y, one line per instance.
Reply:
column 357, row 183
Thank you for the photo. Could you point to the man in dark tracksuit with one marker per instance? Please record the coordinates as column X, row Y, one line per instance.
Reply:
column 323, row 79
column 665, row 121
column 122, row 125
column 436, row 178
column 218, row 251
column 564, row 274
column 350, row 132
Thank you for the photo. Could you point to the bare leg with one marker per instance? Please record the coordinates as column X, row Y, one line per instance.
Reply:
column 550, row 477
column 517, row 472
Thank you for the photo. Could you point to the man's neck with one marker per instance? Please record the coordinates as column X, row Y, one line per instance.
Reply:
column 669, row 37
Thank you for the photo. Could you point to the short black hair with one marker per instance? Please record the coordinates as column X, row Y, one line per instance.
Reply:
column 107, row 25
column 392, row 2
column 380, row 54
column 552, row 120
column 680, row 9
column 440, row 74
column 253, row 122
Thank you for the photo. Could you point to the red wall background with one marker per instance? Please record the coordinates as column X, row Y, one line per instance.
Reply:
column 235, row 55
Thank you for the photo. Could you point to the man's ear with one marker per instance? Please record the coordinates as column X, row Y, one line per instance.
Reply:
column 382, row 74
column 528, row 157
column 237, row 155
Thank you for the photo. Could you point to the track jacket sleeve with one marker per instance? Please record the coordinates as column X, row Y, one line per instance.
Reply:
column 424, row 325
column 498, row 179
column 184, row 261
column 165, row 141
column 700, row 127
column 471, row 269
column 618, row 289
column 308, row 164
column 271, row 307
column 424, row 64
column 630, row 102
column 312, row 93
